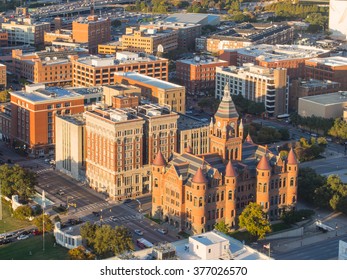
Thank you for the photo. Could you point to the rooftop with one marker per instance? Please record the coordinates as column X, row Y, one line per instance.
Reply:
column 327, row 99
column 173, row 25
column 313, row 83
column 192, row 18
column 115, row 115
column 41, row 94
column 148, row 80
column 208, row 238
column 189, row 122
column 249, row 68
column 87, row 91
column 77, row 119
column 271, row 53
column 333, row 61
column 154, row 110
column 201, row 60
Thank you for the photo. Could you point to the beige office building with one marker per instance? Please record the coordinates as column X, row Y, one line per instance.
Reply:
column 70, row 145
column 114, row 153
column 118, row 90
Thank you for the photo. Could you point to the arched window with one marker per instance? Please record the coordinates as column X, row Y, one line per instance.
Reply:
column 291, row 181
column 195, row 201
column 265, row 187
column 259, row 187
column 230, row 195
column 200, row 201
column 222, row 196
column 294, row 199
column 284, row 198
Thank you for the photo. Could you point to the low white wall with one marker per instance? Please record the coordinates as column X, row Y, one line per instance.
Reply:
column 297, row 232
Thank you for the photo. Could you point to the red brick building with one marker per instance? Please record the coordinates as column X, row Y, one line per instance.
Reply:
column 194, row 192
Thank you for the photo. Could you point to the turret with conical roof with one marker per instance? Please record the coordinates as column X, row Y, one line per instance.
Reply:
column 264, row 164
column 292, row 181
column 199, row 177
column 229, row 170
column 159, row 159
column 249, row 139
column 291, row 159
column 263, row 182
column 198, row 188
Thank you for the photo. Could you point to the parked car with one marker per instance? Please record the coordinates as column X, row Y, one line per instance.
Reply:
column 138, row 232
column 22, row 237
column 60, row 192
column 96, row 214
column 128, row 200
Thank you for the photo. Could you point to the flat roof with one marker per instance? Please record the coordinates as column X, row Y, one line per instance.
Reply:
column 208, row 238
column 188, row 122
column 147, row 80
column 201, row 60
column 270, row 53
column 47, row 94
column 89, row 60
column 77, row 119
column 191, row 17
column 331, row 61
column 327, row 99
column 312, row 83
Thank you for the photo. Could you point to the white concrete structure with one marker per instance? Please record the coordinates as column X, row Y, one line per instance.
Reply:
column 67, row 237
column 209, row 246
column 342, row 250
column 338, row 19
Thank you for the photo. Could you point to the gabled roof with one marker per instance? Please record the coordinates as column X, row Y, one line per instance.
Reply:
column 227, row 108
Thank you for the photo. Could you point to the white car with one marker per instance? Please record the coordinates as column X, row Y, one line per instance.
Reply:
column 23, row 237
column 138, row 232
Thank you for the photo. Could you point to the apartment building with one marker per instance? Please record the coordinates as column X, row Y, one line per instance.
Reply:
column 158, row 91
column 245, row 35
column 328, row 68
column 291, row 57
column 193, row 134
column 198, row 74
column 5, row 121
column 256, row 83
column 51, row 68
column 160, row 131
column 114, row 153
column 70, row 147
column 194, row 192
column 91, row 30
column 60, row 35
column 150, row 41
column 3, row 76
column 3, row 38
column 25, row 31
column 97, row 71
column 33, row 114
column 187, row 32
column 302, row 88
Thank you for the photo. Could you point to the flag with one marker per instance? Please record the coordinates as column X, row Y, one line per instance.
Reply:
column 267, row 246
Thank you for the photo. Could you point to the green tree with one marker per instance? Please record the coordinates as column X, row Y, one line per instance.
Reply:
column 122, row 240
column 4, row 96
column 38, row 222
column 222, row 227
column 87, row 232
column 254, row 221
column 80, row 253
column 339, row 129
column 23, row 212
column 308, row 182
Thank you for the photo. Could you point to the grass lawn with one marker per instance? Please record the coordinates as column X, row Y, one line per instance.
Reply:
column 9, row 223
column 242, row 235
column 20, row 250
column 279, row 227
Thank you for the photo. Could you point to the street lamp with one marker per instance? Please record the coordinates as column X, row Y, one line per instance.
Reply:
column 336, row 228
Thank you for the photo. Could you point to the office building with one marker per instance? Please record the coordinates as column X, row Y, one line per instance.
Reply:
column 328, row 68
column 33, row 114
column 302, row 88
column 3, row 76
column 338, row 19
column 5, row 121
column 150, row 41
column 291, row 57
column 328, row 106
column 198, row 74
column 3, row 38
column 114, row 153
column 194, row 192
column 46, row 67
column 256, row 83
column 110, row 48
column 187, row 32
column 158, row 91
column 109, row 92
column 194, row 18
column 70, row 147
column 91, row 30
column 96, row 71
column 245, row 35
column 160, row 131
column 193, row 134
column 25, row 31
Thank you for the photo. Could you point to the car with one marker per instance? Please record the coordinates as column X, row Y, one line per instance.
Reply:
column 162, row 230
column 22, row 237
column 128, row 200
column 96, row 214
column 138, row 232
column 60, row 192
column 5, row 241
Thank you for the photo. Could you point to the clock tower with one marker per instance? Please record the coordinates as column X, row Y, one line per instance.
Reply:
column 225, row 132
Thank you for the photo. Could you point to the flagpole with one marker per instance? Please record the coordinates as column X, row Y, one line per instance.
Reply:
column 269, row 249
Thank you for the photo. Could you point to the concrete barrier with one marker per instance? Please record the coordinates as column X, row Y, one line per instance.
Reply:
column 296, row 232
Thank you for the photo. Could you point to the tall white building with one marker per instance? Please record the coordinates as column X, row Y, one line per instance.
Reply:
column 256, row 83
column 338, row 19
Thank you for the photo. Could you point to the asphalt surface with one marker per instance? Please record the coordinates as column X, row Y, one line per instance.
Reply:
column 324, row 250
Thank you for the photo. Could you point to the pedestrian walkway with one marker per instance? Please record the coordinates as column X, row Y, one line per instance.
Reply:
column 96, row 205
column 122, row 218
column 41, row 170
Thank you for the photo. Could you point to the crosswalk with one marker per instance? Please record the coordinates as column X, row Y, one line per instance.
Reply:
column 43, row 170
column 122, row 218
column 97, row 205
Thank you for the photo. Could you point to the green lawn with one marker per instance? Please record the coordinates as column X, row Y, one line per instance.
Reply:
column 20, row 250
column 9, row 223
column 279, row 227
column 242, row 236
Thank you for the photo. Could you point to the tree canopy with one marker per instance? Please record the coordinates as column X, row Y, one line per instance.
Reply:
column 339, row 129
column 254, row 221
column 222, row 227
column 106, row 240
column 16, row 180
column 38, row 222
column 80, row 253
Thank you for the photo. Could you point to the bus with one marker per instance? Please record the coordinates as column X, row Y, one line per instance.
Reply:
column 143, row 243
column 283, row 116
